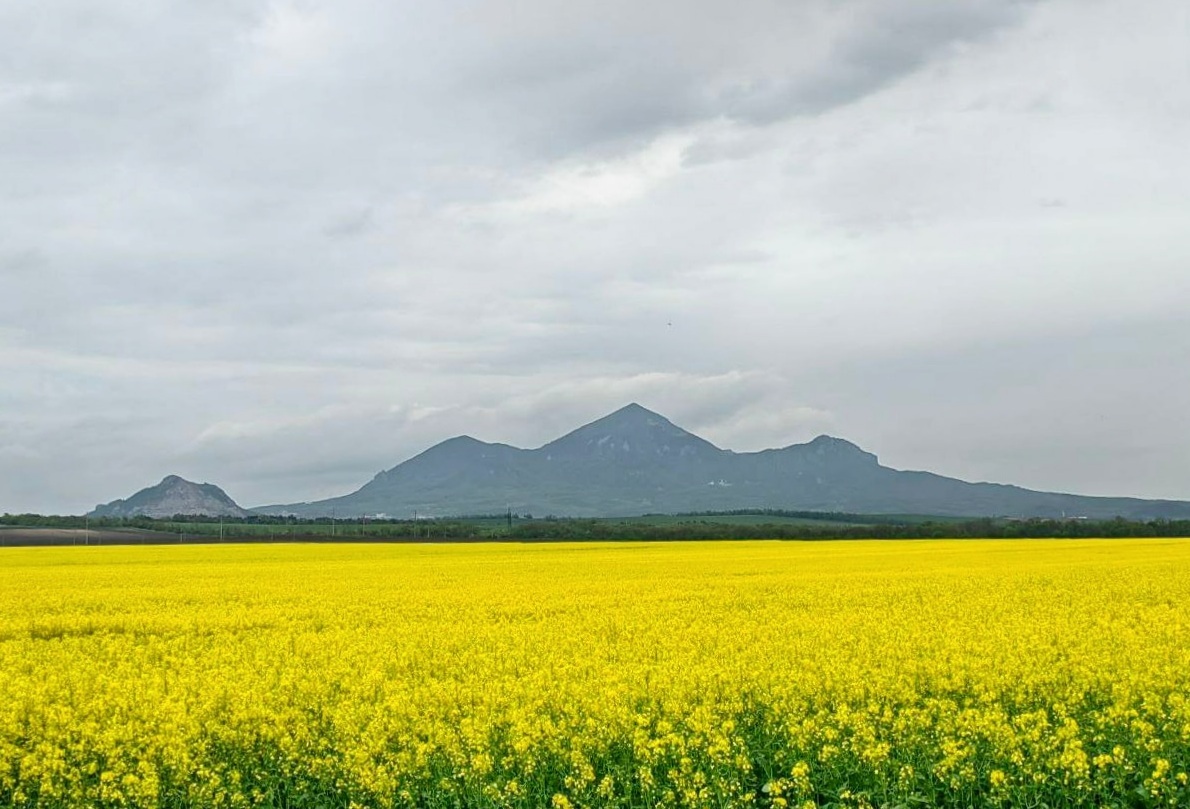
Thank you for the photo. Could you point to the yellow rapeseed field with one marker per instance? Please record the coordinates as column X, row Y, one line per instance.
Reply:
column 859, row 674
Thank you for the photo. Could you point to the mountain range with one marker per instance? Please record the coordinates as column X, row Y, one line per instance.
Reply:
column 634, row 462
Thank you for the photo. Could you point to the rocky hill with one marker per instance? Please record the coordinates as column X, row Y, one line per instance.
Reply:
column 173, row 495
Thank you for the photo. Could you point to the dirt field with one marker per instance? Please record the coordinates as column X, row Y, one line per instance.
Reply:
column 12, row 537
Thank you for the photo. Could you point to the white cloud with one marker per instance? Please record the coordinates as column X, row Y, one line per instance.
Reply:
column 602, row 183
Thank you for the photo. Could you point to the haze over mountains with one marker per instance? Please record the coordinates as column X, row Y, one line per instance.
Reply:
column 634, row 462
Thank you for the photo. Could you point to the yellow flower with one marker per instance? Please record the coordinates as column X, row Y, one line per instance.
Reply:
column 202, row 675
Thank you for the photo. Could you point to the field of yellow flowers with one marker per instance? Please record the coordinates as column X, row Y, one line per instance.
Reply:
column 764, row 674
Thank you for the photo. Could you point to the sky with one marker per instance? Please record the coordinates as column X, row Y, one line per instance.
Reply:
column 281, row 246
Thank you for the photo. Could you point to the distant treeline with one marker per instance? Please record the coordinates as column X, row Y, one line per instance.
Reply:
column 156, row 523
column 967, row 529
column 264, row 528
column 676, row 527
column 819, row 516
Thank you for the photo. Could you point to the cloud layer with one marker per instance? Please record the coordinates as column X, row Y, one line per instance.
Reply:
column 281, row 246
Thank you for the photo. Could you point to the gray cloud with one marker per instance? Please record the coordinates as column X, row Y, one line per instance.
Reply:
column 284, row 245
column 598, row 77
column 883, row 44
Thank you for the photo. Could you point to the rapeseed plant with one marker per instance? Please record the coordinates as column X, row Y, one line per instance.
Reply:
column 850, row 674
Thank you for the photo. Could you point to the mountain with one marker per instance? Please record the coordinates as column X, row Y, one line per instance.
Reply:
column 635, row 461
column 171, row 496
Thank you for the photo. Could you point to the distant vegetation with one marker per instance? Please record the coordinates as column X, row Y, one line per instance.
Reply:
column 769, row 524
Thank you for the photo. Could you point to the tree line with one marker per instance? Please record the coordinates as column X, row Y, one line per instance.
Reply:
column 677, row 527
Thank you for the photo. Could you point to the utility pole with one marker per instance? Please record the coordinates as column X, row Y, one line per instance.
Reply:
column 220, row 529
column 332, row 522
column 87, row 532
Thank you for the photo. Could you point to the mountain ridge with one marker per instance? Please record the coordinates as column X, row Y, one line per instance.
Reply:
column 634, row 461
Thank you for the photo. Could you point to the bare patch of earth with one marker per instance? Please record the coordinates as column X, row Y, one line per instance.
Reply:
column 12, row 537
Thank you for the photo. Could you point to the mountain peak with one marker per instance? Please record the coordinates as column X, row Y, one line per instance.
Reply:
column 828, row 446
column 635, row 408
column 633, row 431
column 831, row 442
column 631, row 413
column 173, row 495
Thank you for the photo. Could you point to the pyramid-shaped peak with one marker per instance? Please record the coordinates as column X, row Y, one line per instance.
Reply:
column 633, row 417
column 633, row 430
column 634, row 411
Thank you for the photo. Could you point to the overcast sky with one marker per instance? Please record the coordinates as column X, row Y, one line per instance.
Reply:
column 282, row 246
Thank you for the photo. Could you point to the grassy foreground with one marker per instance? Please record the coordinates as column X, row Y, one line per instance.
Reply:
column 858, row 674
